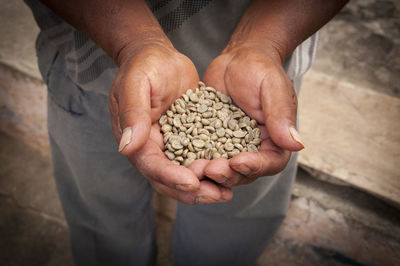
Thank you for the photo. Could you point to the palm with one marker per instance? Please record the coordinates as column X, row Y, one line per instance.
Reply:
column 241, row 76
column 245, row 76
column 147, row 82
column 163, row 175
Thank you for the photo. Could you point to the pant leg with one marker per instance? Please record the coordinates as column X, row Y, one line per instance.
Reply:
column 107, row 203
column 234, row 233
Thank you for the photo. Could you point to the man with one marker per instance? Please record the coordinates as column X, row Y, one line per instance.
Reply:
column 149, row 54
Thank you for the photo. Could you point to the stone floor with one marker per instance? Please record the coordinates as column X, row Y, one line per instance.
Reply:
column 33, row 230
column 326, row 224
column 362, row 45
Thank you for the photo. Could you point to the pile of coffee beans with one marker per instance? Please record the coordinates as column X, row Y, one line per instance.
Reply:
column 206, row 124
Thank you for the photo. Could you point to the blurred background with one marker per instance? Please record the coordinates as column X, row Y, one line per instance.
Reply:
column 345, row 207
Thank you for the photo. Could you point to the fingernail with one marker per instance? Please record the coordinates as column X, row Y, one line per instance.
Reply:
column 223, row 180
column 243, row 169
column 186, row 187
column 295, row 135
column 204, row 200
column 125, row 139
column 225, row 200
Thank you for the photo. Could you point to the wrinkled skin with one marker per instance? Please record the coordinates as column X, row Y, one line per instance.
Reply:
column 147, row 83
column 258, row 84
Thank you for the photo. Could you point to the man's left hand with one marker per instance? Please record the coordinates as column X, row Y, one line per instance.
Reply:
column 258, row 84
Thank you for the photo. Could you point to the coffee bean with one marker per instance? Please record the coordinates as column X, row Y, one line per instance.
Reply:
column 205, row 124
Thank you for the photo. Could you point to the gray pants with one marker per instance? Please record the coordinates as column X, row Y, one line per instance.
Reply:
column 108, row 205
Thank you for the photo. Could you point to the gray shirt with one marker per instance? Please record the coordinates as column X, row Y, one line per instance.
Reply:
column 198, row 29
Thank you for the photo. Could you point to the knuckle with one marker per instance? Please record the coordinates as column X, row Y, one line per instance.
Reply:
column 294, row 103
column 229, row 183
column 293, row 100
column 189, row 201
column 259, row 168
column 185, row 197
column 112, row 104
column 280, row 164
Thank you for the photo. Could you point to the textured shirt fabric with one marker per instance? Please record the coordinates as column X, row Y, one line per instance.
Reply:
column 107, row 202
column 199, row 29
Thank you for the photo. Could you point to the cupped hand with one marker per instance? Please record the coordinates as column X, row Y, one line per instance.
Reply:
column 258, row 84
column 184, row 184
column 149, row 79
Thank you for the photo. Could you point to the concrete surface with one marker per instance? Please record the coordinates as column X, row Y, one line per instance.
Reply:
column 326, row 224
column 33, row 230
column 346, row 129
column 18, row 33
column 23, row 112
column 361, row 45
column 334, row 225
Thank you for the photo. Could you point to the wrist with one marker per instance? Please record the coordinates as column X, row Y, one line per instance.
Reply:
column 130, row 48
column 119, row 26
column 270, row 48
column 261, row 28
column 253, row 33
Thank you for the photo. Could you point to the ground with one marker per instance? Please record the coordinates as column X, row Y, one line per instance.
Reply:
column 326, row 224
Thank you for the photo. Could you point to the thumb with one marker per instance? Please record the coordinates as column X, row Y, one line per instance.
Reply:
column 134, row 107
column 214, row 75
column 279, row 104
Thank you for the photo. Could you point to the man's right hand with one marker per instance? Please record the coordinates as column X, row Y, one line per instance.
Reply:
column 187, row 185
column 152, row 74
column 149, row 80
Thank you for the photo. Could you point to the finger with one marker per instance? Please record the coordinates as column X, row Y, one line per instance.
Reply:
column 198, row 168
column 207, row 193
column 153, row 164
column 226, row 193
column 187, row 198
column 210, row 192
column 279, row 104
column 156, row 136
column 265, row 162
column 113, row 108
column 220, row 171
column 214, row 75
column 134, row 108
